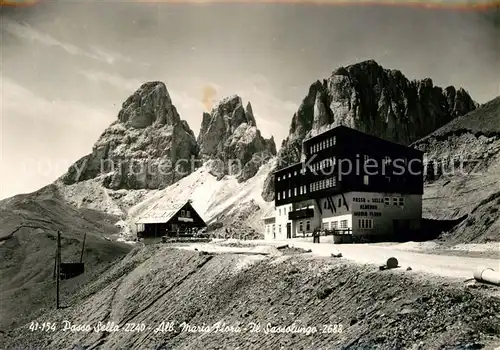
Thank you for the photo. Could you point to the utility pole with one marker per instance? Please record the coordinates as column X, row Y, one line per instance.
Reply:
column 58, row 267
column 55, row 265
column 83, row 247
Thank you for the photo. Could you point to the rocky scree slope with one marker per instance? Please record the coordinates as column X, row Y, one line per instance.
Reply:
column 377, row 309
column 229, row 135
column 227, row 201
column 463, row 175
column 378, row 101
column 142, row 148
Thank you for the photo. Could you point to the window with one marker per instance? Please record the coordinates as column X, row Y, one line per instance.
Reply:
column 300, row 190
column 183, row 213
column 340, row 202
column 289, row 193
column 308, row 225
column 284, row 211
column 334, row 181
column 334, row 225
column 334, row 140
column 324, row 144
column 366, row 179
column 325, row 226
column 279, row 196
column 295, row 173
column 401, row 202
column 366, row 223
column 343, row 224
column 295, row 191
column 387, row 201
column 289, row 175
column 279, row 212
column 188, row 213
column 279, row 228
column 284, row 194
column 394, row 200
column 274, row 228
column 279, row 178
column 301, row 226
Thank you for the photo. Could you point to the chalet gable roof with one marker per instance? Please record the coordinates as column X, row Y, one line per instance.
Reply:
column 162, row 212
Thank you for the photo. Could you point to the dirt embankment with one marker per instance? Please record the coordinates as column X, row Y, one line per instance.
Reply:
column 377, row 309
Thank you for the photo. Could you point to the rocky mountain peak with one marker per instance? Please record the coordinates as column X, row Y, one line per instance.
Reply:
column 375, row 100
column 249, row 114
column 229, row 134
column 147, row 147
column 149, row 105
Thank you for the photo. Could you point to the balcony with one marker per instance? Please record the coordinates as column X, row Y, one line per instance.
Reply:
column 301, row 214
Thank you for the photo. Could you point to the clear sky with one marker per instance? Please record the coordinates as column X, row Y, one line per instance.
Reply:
column 66, row 67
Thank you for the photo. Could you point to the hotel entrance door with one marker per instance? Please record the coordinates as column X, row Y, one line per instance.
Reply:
column 289, row 230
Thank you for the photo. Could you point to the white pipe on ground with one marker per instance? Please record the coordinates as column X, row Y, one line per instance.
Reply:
column 487, row 274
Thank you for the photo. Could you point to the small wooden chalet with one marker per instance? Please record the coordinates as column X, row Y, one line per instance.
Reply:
column 170, row 219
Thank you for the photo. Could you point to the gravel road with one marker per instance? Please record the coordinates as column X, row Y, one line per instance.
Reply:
column 438, row 264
